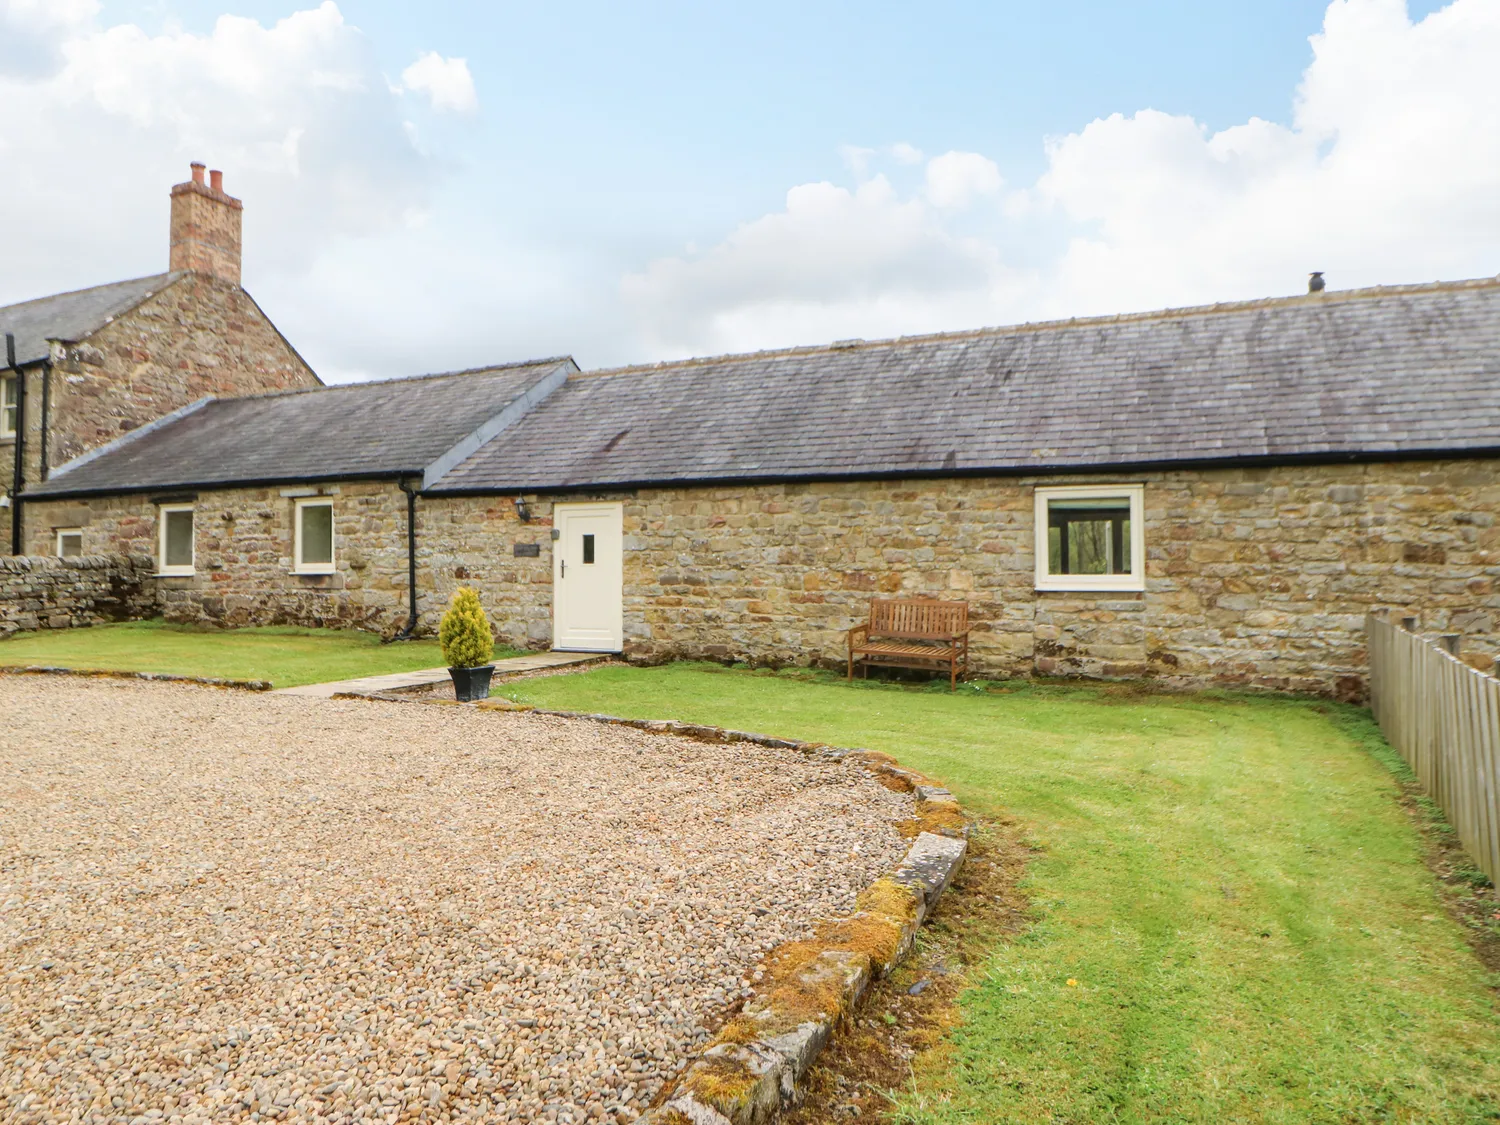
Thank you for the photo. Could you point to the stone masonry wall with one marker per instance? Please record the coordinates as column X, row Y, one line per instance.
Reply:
column 1254, row 576
column 51, row 593
column 243, row 554
column 201, row 336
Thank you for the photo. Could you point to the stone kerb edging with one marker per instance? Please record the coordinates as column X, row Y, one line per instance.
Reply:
column 751, row 1069
column 168, row 677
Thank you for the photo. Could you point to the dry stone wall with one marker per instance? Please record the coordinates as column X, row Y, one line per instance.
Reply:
column 43, row 592
column 1253, row 576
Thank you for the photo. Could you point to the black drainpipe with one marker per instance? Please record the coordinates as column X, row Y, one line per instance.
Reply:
column 18, row 481
column 46, row 462
column 411, row 558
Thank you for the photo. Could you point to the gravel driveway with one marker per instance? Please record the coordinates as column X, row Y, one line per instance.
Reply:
column 228, row 907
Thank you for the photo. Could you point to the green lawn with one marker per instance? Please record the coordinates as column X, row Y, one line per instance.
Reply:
column 285, row 655
column 1229, row 880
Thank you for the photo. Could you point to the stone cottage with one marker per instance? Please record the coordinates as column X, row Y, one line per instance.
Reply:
column 1207, row 495
column 89, row 366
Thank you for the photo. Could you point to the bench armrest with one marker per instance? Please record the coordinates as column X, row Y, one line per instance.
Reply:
column 863, row 631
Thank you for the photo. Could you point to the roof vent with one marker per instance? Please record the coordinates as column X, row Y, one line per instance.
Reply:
column 1315, row 282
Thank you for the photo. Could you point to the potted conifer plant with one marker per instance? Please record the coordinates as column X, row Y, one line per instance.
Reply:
column 467, row 646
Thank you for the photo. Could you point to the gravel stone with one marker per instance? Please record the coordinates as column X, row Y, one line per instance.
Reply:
column 223, row 907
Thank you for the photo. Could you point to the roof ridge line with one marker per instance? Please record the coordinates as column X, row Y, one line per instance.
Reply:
column 358, row 383
column 1332, row 296
column 90, row 289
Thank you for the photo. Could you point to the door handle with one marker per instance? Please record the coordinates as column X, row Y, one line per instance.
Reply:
column 563, row 564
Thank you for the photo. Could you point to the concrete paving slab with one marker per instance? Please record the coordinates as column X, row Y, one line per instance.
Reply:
column 398, row 681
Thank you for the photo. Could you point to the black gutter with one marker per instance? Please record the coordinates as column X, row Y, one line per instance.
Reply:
column 219, row 485
column 1257, row 461
column 1114, row 468
column 405, row 485
column 18, row 480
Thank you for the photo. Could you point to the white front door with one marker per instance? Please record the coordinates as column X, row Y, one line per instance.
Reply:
column 588, row 578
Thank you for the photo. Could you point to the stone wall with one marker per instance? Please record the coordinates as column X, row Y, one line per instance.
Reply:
column 50, row 593
column 243, row 554
column 1253, row 576
column 200, row 336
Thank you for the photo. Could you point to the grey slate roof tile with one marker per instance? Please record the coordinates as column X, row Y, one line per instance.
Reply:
column 377, row 429
column 1360, row 373
column 73, row 316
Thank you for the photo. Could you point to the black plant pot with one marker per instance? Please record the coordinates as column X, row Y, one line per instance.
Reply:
column 470, row 684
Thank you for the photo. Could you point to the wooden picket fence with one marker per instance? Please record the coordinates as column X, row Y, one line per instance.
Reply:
column 1443, row 717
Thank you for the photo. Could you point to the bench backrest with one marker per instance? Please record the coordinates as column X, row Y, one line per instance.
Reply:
column 918, row 617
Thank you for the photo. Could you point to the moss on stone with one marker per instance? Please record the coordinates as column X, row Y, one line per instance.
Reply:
column 890, row 898
column 719, row 1082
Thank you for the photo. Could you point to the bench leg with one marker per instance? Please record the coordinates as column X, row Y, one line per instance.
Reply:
column 851, row 667
column 953, row 674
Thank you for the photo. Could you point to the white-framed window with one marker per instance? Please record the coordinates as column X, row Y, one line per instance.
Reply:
column 8, row 406
column 175, row 549
column 69, row 542
column 312, row 536
column 1090, row 538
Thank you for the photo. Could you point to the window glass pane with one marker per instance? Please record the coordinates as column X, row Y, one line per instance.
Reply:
column 8, row 405
column 588, row 548
column 179, row 546
column 317, row 535
column 1089, row 536
column 70, row 544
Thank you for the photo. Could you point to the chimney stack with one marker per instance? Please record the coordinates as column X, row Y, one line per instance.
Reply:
column 206, row 227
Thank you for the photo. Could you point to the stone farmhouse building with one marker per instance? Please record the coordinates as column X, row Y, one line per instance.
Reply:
column 90, row 366
column 1205, row 495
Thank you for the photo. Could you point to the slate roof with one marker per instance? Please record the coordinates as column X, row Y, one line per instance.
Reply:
column 391, row 428
column 1362, row 373
column 73, row 316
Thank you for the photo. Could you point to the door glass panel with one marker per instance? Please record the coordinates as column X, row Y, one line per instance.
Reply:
column 588, row 548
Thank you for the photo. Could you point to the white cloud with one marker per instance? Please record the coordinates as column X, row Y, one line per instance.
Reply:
column 906, row 154
column 297, row 114
column 32, row 32
column 956, row 178
column 1388, row 171
column 833, row 263
column 447, row 82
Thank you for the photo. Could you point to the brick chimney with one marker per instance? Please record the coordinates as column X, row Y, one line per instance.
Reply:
column 206, row 227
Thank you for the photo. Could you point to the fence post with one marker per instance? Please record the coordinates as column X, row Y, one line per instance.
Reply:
column 1449, row 641
column 1409, row 624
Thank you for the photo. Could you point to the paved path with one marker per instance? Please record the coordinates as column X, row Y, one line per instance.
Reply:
column 395, row 681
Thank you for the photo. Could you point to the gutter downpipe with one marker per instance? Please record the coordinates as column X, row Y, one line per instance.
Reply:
column 18, row 480
column 411, row 558
column 45, row 463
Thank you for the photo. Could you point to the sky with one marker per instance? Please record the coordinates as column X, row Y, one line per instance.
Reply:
column 446, row 185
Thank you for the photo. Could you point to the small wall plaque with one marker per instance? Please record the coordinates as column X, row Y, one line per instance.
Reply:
column 527, row 550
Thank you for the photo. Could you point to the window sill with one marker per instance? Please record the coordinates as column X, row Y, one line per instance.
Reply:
column 319, row 572
column 1116, row 584
column 175, row 574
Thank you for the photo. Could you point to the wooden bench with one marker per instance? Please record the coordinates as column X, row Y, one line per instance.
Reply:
column 913, row 633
